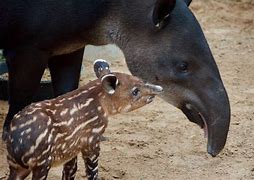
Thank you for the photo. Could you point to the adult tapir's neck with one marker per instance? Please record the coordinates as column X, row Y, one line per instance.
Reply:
column 101, row 21
column 111, row 26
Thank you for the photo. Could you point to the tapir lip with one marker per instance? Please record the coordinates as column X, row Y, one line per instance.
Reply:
column 194, row 115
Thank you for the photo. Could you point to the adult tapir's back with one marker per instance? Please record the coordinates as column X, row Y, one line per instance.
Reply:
column 47, row 22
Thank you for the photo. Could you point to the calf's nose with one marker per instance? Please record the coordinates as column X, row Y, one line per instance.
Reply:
column 155, row 89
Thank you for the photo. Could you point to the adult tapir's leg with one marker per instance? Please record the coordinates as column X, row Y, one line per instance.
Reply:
column 65, row 73
column 26, row 66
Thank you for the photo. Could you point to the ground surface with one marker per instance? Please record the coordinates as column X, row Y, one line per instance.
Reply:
column 158, row 142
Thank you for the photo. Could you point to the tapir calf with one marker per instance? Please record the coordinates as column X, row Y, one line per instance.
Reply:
column 52, row 132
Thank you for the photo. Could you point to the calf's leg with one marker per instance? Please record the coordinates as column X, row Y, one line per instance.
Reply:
column 65, row 74
column 91, row 163
column 70, row 169
column 40, row 172
column 18, row 173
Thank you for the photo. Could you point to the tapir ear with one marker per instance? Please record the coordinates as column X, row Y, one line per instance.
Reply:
column 188, row 2
column 109, row 83
column 101, row 67
column 162, row 11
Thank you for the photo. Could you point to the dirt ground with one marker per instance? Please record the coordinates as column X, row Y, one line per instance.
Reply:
column 157, row 141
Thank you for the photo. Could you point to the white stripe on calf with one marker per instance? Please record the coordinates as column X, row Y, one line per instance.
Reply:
column 62, row 100
column 29, row 122
column 37, row 142
column 81, row 126
column 77, row 95
column 80, row 106
column 74, row 109
column 98, row 130
column 95, row 169
column 64, row 112
column 60, row 124
column 26, row 131
column 32, row 111
column 91, row 88
column 70, row 121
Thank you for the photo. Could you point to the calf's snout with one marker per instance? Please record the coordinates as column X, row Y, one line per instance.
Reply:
column 154, row 89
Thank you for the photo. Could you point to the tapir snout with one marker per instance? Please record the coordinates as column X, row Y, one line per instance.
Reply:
column 211, row 111
column 206, row 103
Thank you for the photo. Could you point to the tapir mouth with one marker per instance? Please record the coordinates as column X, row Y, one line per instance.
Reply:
column 150, row 99
column 196, row 117
column 153, row 91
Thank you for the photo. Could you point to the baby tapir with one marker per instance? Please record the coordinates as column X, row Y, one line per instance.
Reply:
column 52, row 132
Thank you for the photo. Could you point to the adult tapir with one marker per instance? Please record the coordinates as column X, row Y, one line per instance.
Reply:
column 161, row 40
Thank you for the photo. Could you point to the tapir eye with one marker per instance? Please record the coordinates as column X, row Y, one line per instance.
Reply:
column 135, row 91
column 183, row 67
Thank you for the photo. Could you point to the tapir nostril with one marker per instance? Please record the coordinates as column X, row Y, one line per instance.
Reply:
column 212, row 152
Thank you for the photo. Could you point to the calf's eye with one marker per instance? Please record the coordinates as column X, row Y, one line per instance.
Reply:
column 135, row 91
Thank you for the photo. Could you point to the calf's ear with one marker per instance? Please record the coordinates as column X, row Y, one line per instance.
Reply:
column 101, row 67
column 161, row 11
column 109, row 83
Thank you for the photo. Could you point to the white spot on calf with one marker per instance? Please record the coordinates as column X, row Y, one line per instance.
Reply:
column 99, row 108
column 74, row 109
column 64, row 112
column 90, row 140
